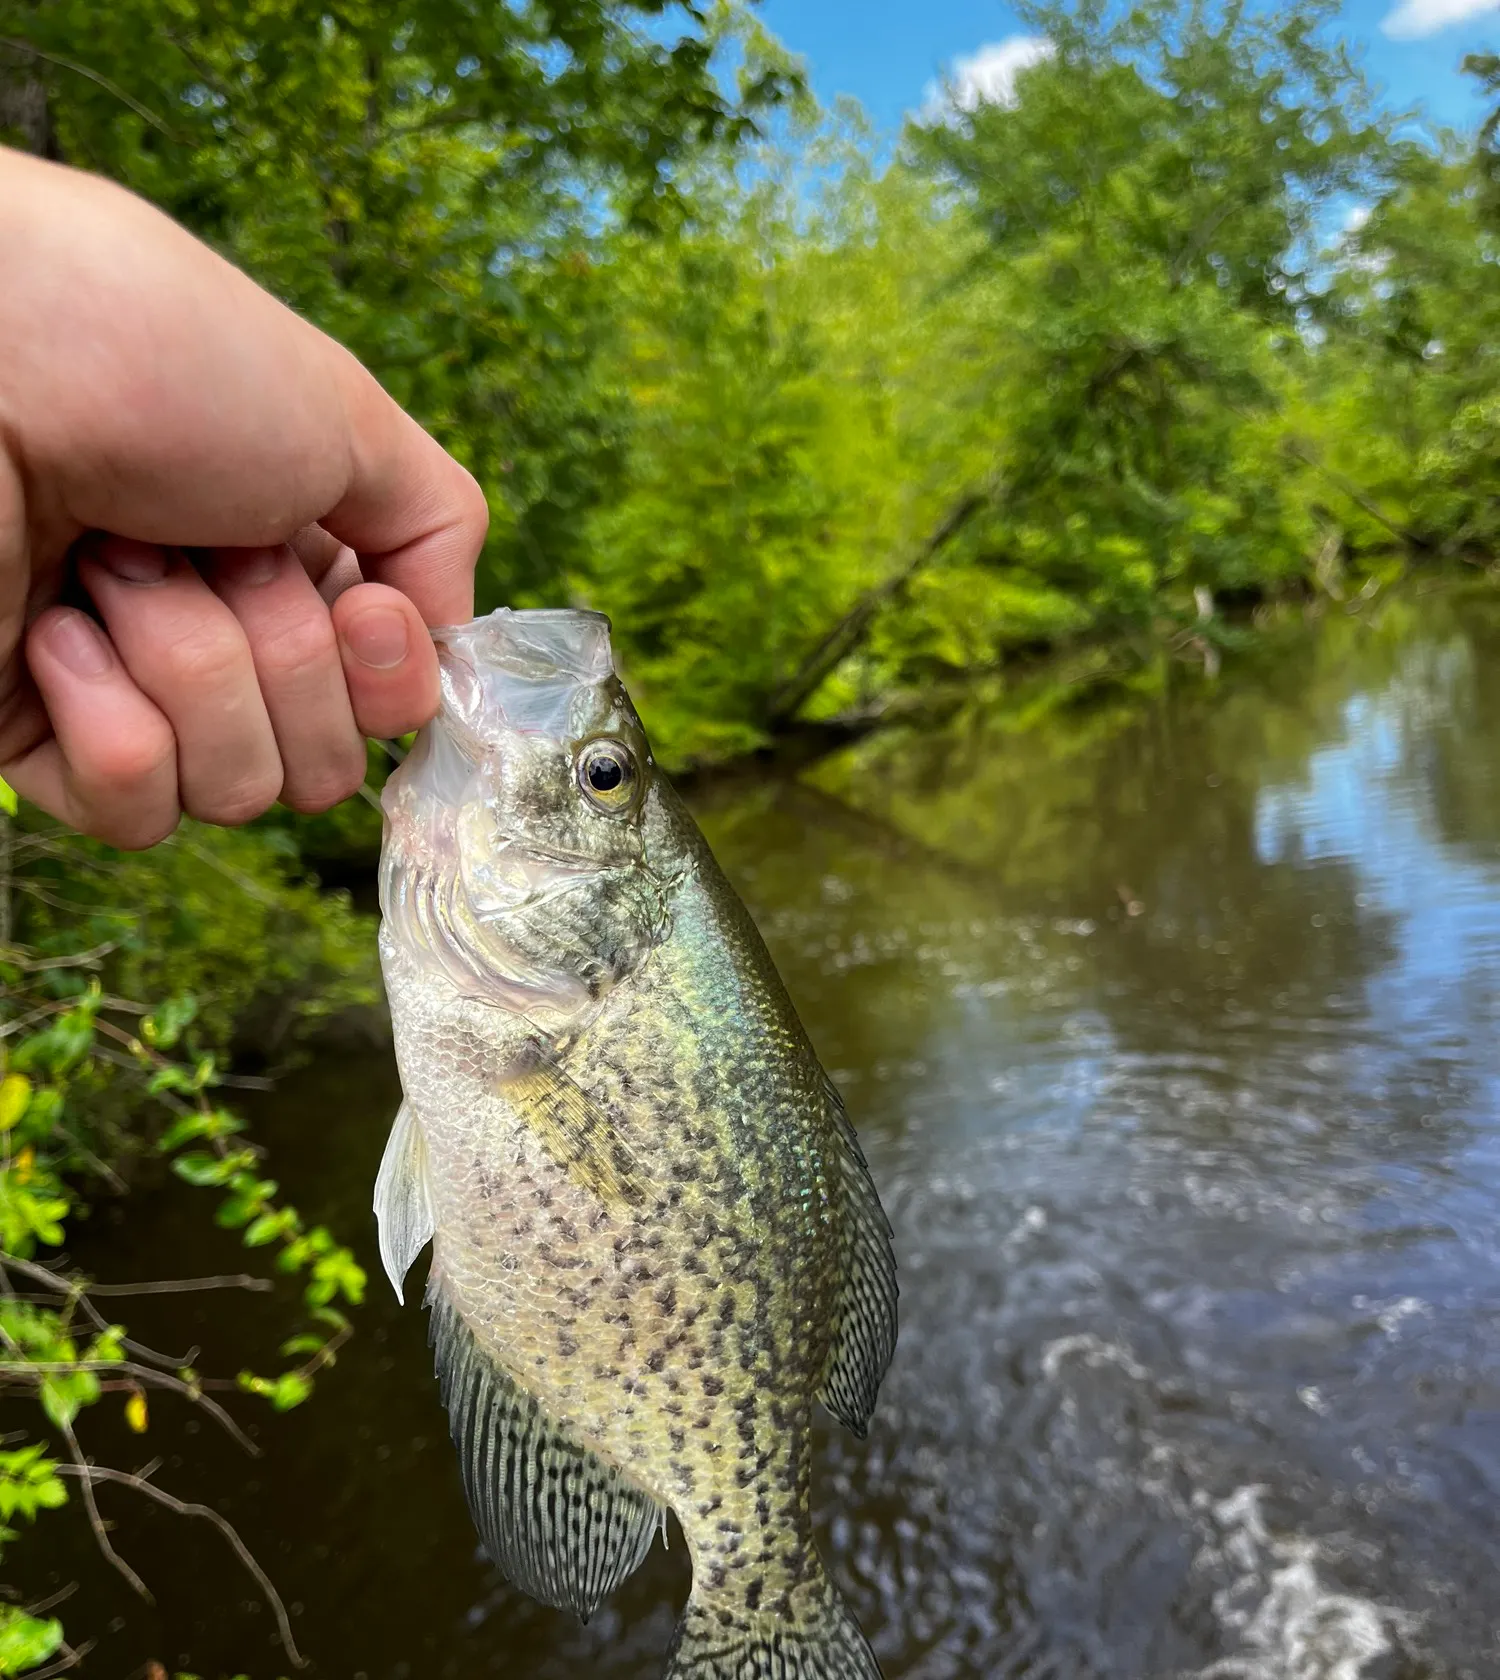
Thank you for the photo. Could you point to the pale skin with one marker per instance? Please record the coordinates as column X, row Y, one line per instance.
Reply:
column 265, row 537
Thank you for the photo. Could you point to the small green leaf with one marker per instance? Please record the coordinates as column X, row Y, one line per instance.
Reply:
column 295, row 1345
column 265, row 1229
column 63, row 1397
column 26, row 1641
column 199, row 1167
column 15, row 1098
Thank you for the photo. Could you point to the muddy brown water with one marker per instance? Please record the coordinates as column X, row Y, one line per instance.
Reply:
column 1170, row 1026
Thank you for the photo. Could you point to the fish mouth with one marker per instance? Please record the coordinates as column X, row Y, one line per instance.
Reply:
column 526, row 875
column 523, row 666
column 539, row 643
column 580, row 863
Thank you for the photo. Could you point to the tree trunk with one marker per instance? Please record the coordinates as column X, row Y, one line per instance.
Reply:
column 1360, row 497
column 852, row 629
column 25, row 108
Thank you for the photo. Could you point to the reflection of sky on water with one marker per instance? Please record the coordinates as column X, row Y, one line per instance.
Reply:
column 1368, row 800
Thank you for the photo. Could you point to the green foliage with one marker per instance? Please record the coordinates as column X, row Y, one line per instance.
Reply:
column 1414, row 361
column 1102, row 307
column 1151, row 201
column 28, row 1483
column 26, row 1641
column 92, row 1082
column 226, row 917
column 417, row 178
column 735, row 384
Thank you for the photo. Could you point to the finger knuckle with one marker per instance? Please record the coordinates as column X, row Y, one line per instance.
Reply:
column 313, row 790
column 476, row 507
column 136, row 831
column 134, row 763
column 236, row 801
column 380, row 719
column 201, row 660
column 307, row 644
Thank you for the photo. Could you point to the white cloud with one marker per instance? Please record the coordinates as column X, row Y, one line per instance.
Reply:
column 1414, row 18
column 988, row 77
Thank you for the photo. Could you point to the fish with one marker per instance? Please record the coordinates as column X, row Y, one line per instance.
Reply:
column 656, row 1240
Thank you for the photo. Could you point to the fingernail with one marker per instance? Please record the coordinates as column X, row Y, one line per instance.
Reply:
column 378, row 638
column 253, row 566
column 77, row 642
column 134, row 562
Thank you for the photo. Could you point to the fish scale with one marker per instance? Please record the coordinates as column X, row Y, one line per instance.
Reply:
column 655, row 1241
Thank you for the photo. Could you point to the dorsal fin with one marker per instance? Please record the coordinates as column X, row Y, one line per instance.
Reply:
column 864, row 1331
column 562, row 1524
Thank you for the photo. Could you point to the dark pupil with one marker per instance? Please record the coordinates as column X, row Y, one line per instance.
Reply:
column 605, row 773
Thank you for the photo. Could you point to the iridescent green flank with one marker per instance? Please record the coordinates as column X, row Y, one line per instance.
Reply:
column 656, row 1241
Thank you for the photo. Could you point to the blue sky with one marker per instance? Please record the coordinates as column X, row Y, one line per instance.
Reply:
column 885, row 52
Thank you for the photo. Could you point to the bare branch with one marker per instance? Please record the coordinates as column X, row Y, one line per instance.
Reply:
column 834, row 647
column 22, row 1022
column 183, row 1286
column 245, row 1081
column 84, row 1471
column 91, row 1473
column 97, row 1162
column 144, row 112
column 327, row 1354
column 167, row 1286
column 76, row 1294
column 71, row 1656
column 78, row 959
column 52, row 1600
column 30, row 1371
column 228, row 871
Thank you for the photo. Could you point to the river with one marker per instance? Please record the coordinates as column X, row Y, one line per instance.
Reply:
column 1169, row 1022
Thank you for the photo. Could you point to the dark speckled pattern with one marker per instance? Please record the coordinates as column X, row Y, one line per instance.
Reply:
column 669, row 1238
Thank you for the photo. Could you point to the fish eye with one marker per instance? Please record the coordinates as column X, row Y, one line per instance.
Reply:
column 607, row 775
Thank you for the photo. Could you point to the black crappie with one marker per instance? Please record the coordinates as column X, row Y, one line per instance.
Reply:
column 656, row 1241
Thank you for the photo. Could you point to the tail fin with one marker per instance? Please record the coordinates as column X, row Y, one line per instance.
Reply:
column 718, row 1638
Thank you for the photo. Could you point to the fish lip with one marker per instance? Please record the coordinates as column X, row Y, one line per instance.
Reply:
column 558, row 854
column 446, row 632
column 537, row 644
column 522, row 664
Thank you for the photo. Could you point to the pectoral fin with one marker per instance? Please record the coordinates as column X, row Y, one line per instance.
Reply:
column 576, row 1133
column 403, row 1202
column 563, row 1525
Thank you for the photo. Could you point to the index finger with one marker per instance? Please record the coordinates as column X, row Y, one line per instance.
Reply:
column 412, row 514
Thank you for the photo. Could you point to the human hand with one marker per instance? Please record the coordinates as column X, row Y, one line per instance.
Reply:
column 150, row 391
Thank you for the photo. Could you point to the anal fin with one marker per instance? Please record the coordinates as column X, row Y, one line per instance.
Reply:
column 563, row 1525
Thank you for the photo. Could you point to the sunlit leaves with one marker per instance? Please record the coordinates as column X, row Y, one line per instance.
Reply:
column 26, row 1641
column 29, row 1483
column 15, row 1095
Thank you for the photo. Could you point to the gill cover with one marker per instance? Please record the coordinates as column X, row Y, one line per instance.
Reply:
column 497, row 873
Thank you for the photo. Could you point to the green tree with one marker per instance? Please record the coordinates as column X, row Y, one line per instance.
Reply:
column 1407, row 395
column 1151, row 197
column 420, row 180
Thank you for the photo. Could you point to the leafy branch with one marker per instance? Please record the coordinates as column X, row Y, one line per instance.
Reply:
column 72, row 1048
